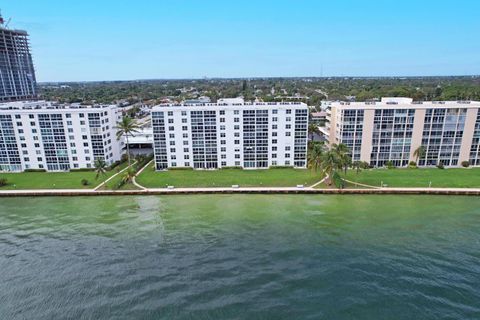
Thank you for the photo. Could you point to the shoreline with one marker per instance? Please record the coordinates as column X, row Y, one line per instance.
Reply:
column 284, row 190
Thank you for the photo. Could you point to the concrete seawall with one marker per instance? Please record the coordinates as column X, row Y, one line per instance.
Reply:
column 180, row 191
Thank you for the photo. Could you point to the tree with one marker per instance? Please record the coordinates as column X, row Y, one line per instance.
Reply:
column 100, row 168
column 126, row 127
column 419, row 153
column 343, row 156
column 312, row 129
column 315, row 156
column 330, row 164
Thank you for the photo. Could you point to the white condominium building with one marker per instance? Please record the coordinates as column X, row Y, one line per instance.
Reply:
column 43, row 135
column 391, row 130
column 230, row 133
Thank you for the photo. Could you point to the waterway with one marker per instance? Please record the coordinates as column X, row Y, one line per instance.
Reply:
column 240, row 257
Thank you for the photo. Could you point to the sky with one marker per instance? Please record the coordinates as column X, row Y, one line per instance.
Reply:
column 92, row 40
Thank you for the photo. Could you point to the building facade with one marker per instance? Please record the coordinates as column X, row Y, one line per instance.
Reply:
column 230, row 134
column 392, row 129
column 42, row 135
column 17, row 75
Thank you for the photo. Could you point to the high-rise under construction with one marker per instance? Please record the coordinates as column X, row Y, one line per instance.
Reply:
column 17, row 75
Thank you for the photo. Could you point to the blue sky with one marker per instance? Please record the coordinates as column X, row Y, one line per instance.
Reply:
column 122, row 40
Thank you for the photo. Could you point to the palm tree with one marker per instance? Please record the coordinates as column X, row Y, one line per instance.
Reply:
column 419, row 153
column 315, row 156
column 343, row 155
column 312, row 129
column 126, row 127
column 100, row 168
column 330, row 164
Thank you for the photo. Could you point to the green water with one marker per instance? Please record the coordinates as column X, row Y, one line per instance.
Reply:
column 240, row 257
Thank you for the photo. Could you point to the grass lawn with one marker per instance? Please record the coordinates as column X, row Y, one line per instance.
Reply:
column 446, row 178
column 54, row 180
column 227, row 177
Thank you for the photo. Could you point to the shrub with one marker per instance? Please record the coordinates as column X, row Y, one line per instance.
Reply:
column 465, row 164
column 3, row 182
column 85, row 182
column 389, row 164
column 412, row 164
column 35, row 170
column 231, row 168
column 82, row 170
column 440, row 165
column 281, row 167
column 180, row 168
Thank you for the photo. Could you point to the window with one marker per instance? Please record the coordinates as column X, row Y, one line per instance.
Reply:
column 224, row 163
column 170, row 120
column 19, row 124
column 186, row 157
column 289, row 111
column 274, row 134
column 274, row 155
column 171, row 128
column 274, row 127
column 185, row 142
column 222, row 112
column 172, row 143
column 274, row 111
column 289, row 119
column 237, row 134
column 185, row 150
column 84, row 137
column 287, row 148
column 236, row 112
column 274, row 119
column 81, row 115
column 224, row 156
column 274, row 141
column 170, row 113
column 236, row 119
column 237, row 156
column 184, row 113
column 287, row 155
column 171, row 135
column 274, row 148
column 184, row 120
column 68, row 115
column 222, row 119
column 172, row 150
column 184, row 128
column 82, row 123
column 187, row 164
column 288, row 134
column 223, row 142
column 69, row 123
column 17, row 116
column 288, row 126
column 173, row 157
column 237, row 141
column 236, row 127
column 222, row 135
column 237, row 163
column 31, row 116
column 20, row 130
column 222, row 127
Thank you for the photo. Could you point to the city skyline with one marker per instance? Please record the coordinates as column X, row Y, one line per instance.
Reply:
column 91, row 41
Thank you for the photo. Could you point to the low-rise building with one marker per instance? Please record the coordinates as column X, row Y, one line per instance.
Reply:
column 230, row 133
column 56, row 137
column 393, row 128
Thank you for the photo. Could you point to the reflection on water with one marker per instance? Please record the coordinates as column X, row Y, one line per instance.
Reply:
column 241, row 257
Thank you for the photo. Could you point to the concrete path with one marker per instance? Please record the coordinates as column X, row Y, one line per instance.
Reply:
column 226, row 190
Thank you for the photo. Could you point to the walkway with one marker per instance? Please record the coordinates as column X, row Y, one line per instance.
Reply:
column 262, row 190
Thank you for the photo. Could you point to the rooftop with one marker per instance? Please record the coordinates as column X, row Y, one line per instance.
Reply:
column 46, row 105
column 405, row 102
